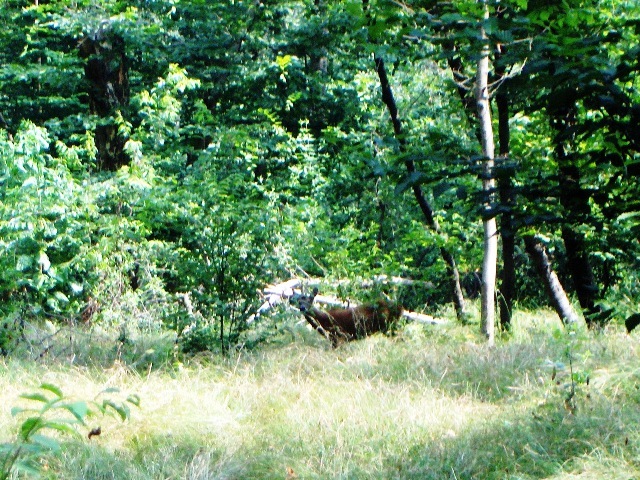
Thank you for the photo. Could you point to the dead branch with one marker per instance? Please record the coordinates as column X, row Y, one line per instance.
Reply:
column 275, row 294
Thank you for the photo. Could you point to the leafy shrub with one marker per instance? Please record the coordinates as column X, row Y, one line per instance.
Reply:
column 56, row 414
column 41, row 222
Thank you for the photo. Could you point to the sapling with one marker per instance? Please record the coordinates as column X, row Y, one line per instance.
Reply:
column 55, row 415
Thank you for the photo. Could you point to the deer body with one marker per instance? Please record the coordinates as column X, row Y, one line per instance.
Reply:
column 346, row 324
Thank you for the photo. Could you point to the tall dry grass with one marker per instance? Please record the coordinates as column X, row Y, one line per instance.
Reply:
column 430, row 403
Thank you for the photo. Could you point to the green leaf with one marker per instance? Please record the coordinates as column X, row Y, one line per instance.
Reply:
column 52, row 388
column 24, row 263
column 628, row 215
column 415, row 178
column 37, row 397
column 122, row 410
column 544, row 15
column 452, row 18
column 18, row 410
column 377, row 30
column 61, row 297
column 354, row 8
column 29, row 182
column 283, row 62
column 110, row 390
column 78, row 409
column 62, row 426
column 29, row 426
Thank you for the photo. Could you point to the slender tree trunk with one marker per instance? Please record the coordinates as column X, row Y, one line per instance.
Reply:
column 581, row 272
column 507, row 224
column 487, row 319
column 554, row 289
column 508, row 274
column 472, row 109
column 425, row 207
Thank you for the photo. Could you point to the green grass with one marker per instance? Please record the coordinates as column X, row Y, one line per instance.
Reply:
column 432, row 403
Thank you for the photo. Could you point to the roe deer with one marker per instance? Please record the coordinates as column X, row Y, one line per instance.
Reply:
column 346, row 324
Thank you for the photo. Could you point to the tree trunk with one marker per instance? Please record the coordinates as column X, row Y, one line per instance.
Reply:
column 425, row 207
column 581, row 272
column 487, row 318
column 107, row 74
column 507, row 224
column 577, row 257
column 575, row 202
column 554, row 289
column 508, row 274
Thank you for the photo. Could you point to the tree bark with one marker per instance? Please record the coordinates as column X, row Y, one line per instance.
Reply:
column 554, row 289
column 487, row 318
column 107, row 75
column 507, row 224
column 507, row 229
column 576, row 202
column 425, row 207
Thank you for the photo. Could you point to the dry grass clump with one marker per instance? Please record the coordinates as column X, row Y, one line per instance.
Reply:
column 427, row 404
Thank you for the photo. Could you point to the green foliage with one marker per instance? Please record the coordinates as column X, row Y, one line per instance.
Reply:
column 258, row 147
column 41, row 222
column 53, row 417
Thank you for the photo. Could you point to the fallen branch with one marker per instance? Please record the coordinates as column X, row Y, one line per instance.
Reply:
column 422, row 318
column 377, row 280
column 275, row 294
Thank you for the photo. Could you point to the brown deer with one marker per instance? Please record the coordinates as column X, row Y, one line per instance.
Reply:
column 346, row 324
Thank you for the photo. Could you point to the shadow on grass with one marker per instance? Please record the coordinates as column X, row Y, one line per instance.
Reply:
column 548, row 442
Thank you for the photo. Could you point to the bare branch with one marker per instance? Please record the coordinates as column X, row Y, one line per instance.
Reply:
column 275, row 294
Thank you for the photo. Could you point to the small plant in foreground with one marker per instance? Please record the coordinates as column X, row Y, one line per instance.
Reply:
column 56, row 415
column 575, row 378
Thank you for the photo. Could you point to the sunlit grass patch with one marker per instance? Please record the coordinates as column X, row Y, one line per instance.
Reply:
column 429, row 403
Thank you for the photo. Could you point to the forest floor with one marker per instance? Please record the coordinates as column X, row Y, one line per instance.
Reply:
column 430, row 403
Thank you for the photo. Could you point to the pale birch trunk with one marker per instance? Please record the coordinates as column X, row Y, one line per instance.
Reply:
column 487, row 319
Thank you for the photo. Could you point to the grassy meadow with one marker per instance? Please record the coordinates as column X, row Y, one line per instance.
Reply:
column 432, row 402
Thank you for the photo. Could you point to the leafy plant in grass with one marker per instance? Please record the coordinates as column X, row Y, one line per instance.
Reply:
column 56, row 416
column 569, row 378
